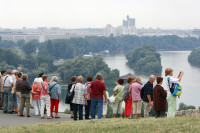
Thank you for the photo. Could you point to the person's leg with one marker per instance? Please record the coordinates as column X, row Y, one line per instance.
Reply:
column 120, row 110
column 15, row 103
column 71, row 109
column 18, row 101
column 52, row 106
column 100, row 108
column 80, row 112
column 139, row 106
column 87, row 111
column 5, row 104
column 28, row 105
column 115, row 108
column 39, row 106
column 34, row 102
column 22, row 104
column 47, row 101
column 56, row 102
column 10, row 97
column 126, row 109
column 2, row 100
column 75, row 108
column 134, row 109
column 157, row 114
column 146, row 110
column 93, row 107
column 42, row 106
column 129, row 108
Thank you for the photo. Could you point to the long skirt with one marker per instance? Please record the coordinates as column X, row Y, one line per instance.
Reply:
column 171, row 106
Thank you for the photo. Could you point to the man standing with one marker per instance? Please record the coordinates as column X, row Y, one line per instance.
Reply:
column 98, row 89
column 147, row 96
column 3, row 73
column 7, row 85
column 19, row 69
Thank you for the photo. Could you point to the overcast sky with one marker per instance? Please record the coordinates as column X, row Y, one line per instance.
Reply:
column 173, row 14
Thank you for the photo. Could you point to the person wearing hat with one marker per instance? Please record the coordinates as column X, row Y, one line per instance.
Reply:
column 7, row 85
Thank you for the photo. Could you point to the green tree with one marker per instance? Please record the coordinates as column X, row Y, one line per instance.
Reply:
column 29, row 48
column 183, row 106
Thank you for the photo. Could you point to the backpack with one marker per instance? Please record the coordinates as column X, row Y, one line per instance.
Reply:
column 176, row 89
column 142, row 92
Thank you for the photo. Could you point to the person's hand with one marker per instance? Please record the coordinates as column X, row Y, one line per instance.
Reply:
column 151, row 103
column 86, row 104
column 106, row 100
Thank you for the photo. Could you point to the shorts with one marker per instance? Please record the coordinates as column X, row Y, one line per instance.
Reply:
column 105, row 108
column 137, row 107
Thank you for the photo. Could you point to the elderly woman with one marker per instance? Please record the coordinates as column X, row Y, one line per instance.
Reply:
column 87, row 86
column 45, row 98
column 171, row 98
column 159, row 98
column 54, row 90
column 128, row 102
column 36, row 96
column 25, row 95
column 136, row 98
column 117, row 105
column 80, row 98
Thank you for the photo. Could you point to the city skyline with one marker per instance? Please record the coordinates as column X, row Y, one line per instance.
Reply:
column 165, row 14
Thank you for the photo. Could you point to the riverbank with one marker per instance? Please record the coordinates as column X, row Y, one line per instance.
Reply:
column 151, row 125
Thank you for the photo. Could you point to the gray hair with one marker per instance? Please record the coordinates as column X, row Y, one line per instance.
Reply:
column 19, row 68
column 152, row 77
column 55, row 78
column 99, row 76
column 9, row 71
column 24, row 76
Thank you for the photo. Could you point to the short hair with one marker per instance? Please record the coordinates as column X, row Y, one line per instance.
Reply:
column 80, row 79
column 73, row 78
column 89, row 78
column 24, row 76
column 44, row 76
column 9, row 71
column 120, row 81
column 19, row 68
column 152, row 77
column 99, row 76
column 138, row 79
column 2, row 72
column 129, row 79
column 19, row 75
column 168, row 71
column 14, row 71
column 55, row 78
column 40, row 75
column 159, row 79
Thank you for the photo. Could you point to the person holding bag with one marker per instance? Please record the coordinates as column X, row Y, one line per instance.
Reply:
column 117, row 105
column 126, row 98
column 171, row 99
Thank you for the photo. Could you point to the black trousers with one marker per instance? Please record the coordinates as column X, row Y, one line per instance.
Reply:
column 160, row 114
column 78, row 108
column 87, row 109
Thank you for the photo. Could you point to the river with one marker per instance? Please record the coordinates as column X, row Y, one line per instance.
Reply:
column 173, row 59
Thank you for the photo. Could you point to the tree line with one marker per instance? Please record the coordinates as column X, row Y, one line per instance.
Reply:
column 194, row 57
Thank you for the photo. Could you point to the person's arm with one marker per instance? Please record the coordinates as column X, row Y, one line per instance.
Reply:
column 2, row 85
column 85, row 95
column 59, row 92
column 106, row 99
column 163, row 92
column 148, row 95
column 11, row 85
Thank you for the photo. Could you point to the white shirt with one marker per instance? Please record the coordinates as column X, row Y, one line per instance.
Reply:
column 14, row 79
column 171, row 80
column 7, row 81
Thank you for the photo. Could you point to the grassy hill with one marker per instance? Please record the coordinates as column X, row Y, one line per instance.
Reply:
column 176, row 125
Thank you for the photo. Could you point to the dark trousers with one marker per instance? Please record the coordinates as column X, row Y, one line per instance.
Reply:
column 87, row 109
column 76, row 108
column 160, row 114
column 2, row 100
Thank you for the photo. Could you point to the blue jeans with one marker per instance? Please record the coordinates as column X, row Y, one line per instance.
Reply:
column 78, row 107
column 94, row 103
column 7, row 100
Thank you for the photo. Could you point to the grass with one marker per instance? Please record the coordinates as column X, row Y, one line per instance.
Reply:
column 175, row 125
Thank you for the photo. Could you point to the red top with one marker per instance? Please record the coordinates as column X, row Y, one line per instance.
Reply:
column 97, row 88
column 36, row 88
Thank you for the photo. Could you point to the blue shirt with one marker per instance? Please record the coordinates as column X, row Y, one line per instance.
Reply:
column 55, row 90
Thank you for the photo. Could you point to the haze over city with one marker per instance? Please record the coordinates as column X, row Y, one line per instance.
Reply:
column 165, row 14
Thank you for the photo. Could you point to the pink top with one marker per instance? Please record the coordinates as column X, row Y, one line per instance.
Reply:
column 43, row 86
column 136, row 88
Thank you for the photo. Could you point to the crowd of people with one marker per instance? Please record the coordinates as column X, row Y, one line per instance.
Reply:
column 45, row 95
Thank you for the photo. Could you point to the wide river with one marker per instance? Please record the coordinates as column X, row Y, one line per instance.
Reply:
column 173, row 59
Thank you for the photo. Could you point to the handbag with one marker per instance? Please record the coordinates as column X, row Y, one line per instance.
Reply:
column 112, row 98
column 130, row 95
column 70, row 96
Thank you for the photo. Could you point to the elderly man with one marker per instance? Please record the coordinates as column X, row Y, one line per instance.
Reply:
column 19, row 69
column 7, row 85
column 54, row 90
column 147, row 96
column 98, row 89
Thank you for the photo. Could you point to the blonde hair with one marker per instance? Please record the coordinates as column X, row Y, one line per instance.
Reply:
column 168, row 71
column 138, row 80
column 80, row 79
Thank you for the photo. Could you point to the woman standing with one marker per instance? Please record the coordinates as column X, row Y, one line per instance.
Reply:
column 159, row 98
column 80, row 98
column 117, row 105
column 87, row 86
column 54, row 89
column 105, row 104
column 45, row 98
column 136, row 98
column 25, row 95
column 171, row 98
column 36, row 94
column 128, row 102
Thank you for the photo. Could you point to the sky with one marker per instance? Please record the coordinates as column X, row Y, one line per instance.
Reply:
column 71, row 14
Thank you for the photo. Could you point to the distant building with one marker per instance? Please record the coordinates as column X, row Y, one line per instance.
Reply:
column 108, row 30
column 129, row 26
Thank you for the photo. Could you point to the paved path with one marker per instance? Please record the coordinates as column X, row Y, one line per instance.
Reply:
column 14, row 120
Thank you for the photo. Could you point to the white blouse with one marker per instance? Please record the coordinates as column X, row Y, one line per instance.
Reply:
column 171, row 80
